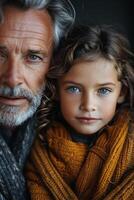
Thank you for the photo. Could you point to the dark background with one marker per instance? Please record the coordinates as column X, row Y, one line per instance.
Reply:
column 119, row 13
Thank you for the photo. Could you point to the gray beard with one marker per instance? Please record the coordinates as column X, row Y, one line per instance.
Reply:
column 12, row 116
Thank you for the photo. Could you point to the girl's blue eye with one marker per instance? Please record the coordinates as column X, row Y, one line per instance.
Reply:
column 104, row 91
column 73, row 89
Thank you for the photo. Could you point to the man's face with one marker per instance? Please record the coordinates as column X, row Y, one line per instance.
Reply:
column 26, row 41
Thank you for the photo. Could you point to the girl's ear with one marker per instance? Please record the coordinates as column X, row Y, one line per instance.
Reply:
column 122, row 96
column 121, row 99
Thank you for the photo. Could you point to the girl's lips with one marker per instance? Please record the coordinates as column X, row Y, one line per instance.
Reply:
column 12, row 101
column 87, row 120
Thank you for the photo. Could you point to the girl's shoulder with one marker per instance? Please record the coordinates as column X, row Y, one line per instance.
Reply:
column 55, row 130
column 130, row 119
column 131, row 129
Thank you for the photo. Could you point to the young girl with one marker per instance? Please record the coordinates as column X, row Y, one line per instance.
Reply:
column 86, row 152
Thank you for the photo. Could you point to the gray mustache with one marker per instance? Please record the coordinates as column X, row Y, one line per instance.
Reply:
column 16, row 92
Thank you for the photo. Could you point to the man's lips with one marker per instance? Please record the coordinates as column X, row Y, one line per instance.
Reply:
column 13, row 101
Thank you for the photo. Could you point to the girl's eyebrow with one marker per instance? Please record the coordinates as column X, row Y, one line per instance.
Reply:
column 107, row 83
column 102, row 84
column 71, row 82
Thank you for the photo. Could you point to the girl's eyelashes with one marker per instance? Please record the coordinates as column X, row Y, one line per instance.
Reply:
column 104, row 91
column 73, row 89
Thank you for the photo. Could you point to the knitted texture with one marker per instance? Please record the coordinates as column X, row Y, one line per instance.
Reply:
column 12, row 160
column 60, row 169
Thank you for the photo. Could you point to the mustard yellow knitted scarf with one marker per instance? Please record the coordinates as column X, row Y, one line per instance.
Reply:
column 60, row 169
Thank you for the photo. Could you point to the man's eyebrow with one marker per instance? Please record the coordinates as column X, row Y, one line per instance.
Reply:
column 40, row 51
column 2, row 47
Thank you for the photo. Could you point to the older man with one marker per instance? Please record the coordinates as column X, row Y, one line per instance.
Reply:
column 29, row 31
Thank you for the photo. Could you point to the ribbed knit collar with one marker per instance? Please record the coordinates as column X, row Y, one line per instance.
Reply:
column 92, row 170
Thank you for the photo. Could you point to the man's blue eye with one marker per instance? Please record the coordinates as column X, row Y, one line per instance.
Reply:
column 73, row 89
column 34, row 57
column 104, row 91
column 3, row 57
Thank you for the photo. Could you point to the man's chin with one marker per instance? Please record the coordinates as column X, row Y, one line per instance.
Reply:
column 13, row 120
column 13, row 116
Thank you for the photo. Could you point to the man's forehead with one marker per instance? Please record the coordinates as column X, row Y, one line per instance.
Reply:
column 19, row 29
column 30, row 24
column 22, row 26
column 26, row 20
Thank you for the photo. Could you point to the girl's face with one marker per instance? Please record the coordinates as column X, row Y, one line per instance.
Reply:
column 88, row 95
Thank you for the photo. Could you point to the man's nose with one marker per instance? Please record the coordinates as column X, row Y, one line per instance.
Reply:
column 12, row 75
column 88, row 103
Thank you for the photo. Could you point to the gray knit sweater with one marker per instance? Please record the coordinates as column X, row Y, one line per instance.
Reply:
column 12, row 159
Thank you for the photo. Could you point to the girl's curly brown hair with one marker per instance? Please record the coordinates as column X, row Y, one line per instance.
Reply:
column 88, row 43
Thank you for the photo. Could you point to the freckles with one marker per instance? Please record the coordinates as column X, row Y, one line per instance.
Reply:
column 110, row 111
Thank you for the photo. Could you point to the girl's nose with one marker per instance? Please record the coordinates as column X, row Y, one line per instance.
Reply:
column 88, row 103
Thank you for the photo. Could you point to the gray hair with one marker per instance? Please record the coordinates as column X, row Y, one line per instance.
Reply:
column 61, row 12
